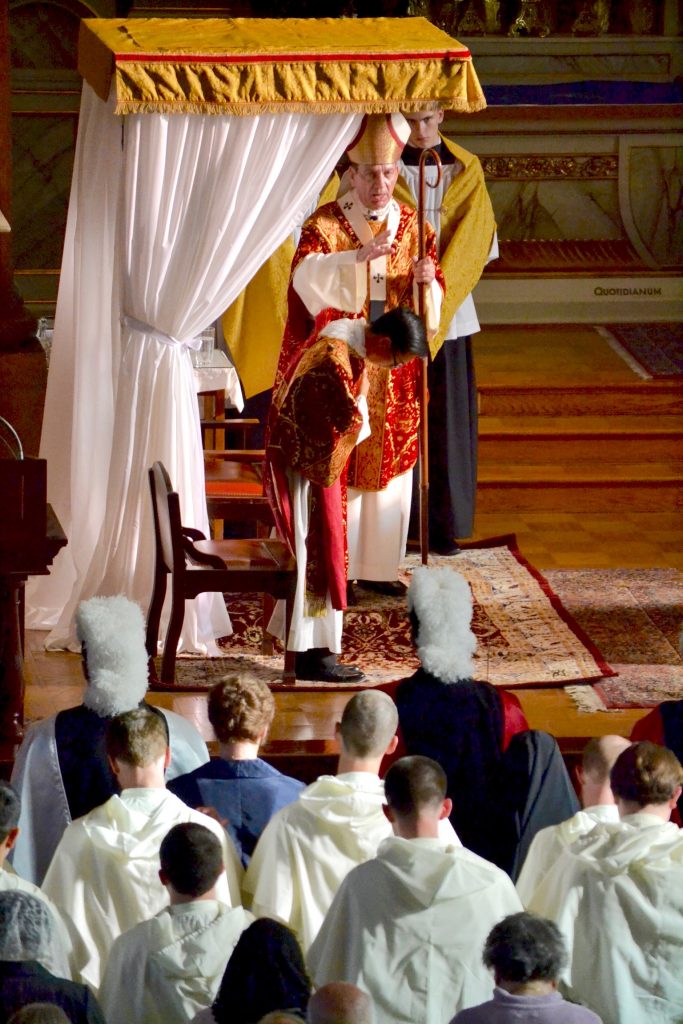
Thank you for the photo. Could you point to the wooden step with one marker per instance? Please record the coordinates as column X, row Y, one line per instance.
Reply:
column 580, row 487
column 644, row 398
column 538, row 439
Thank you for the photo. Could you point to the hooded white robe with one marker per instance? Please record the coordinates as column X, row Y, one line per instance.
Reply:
column 617, row 896
column 165, row 970
column 408, row 928
column 309, row 846
column 37, row 778
column 548, row 844
column 105, row 871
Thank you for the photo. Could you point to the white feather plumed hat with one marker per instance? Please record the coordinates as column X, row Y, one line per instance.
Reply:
column 442, row 601
column 113, row 631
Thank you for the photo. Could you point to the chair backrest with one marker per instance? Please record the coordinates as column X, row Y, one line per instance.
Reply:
column 167, row 525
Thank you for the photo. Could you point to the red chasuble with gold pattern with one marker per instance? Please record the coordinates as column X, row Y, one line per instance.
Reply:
column 393, row 399
column 314, row 425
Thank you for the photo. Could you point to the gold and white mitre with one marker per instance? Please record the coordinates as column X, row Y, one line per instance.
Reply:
column 380, row 139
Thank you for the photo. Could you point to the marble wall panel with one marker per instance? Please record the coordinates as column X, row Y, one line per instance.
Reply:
column 42, row 164
column 555, row 210
column 536, row 66
column 45, row 35
column 655, row 197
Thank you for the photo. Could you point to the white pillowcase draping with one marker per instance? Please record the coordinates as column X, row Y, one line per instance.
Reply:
column 170, row 216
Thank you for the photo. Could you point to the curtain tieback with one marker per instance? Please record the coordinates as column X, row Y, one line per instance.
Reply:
column 166, row 339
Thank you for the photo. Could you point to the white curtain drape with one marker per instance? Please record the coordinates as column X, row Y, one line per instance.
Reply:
column 170, row 216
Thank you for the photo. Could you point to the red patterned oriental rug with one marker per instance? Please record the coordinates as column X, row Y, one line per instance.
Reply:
column 526, row 635
column 634, row 616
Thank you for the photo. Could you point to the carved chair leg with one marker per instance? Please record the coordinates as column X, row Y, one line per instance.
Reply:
column 175, row 626
column 153, row 620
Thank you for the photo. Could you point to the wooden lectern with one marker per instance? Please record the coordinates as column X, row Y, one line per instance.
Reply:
column 30, row 537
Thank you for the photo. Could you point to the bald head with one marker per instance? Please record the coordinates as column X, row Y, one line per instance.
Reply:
column 368, row 725
column 600, row 754
column 339, row 1003
column 599, row 757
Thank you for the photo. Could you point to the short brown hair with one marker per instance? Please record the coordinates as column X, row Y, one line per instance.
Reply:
column 415, row 783
column 646, row 773
column 137, row 737
column 240, row 708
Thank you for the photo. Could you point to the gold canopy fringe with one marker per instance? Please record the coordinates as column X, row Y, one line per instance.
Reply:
column 286, row 107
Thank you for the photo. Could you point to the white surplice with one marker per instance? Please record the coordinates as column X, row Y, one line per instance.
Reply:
column 548, row 844
column 166, row 969
column 408, row 927
column 105, row 871
column 37, row 778
column 617, row 896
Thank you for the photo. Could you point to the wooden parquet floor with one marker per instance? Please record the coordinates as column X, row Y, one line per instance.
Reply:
column 548, row 360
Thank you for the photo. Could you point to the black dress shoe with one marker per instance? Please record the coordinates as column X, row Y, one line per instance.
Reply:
column 320, row 665
column 389, row 588
column 336, row 674
column 445, row 548
column 351, row 596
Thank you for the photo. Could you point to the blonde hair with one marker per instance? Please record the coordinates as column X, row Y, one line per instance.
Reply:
column 137, row 737
column 368, row 724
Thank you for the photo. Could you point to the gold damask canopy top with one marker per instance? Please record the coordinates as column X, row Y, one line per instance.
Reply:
column 264, row 65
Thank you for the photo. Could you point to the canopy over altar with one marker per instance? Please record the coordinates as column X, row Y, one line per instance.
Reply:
column 201, row 143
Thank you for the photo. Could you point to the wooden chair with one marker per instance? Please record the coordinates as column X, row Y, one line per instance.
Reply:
column 198, row 566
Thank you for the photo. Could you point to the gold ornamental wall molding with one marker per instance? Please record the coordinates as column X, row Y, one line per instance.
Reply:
column 557, row 167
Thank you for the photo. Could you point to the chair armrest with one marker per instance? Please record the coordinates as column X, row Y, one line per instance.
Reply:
column 190, row 533
column 199, row 557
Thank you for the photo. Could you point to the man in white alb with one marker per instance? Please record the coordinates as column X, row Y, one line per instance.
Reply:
column 105, row 871
column 616, row 894
column 597, row 802
column 166, row 969
column 337, row 822
column 408, row 926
